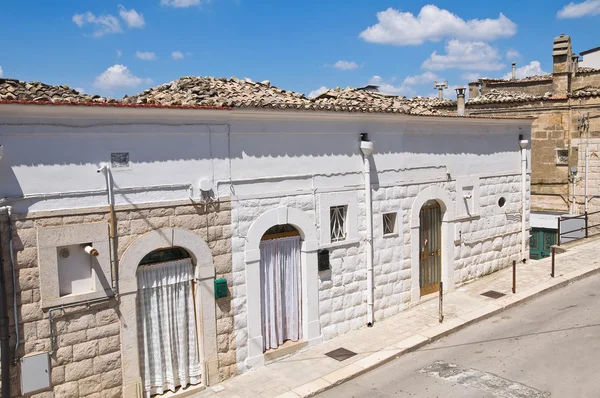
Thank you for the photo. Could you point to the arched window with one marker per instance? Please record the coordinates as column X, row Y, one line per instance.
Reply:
column 164, row 255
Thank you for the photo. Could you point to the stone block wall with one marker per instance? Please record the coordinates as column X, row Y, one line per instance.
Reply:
column 586, row 79
column 490, row 242
column 532, row 88
column 87, row 360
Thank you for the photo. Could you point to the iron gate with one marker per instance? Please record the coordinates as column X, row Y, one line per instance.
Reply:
column 430, row 231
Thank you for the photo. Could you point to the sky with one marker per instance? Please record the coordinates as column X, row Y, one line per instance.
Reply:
column 113, row 48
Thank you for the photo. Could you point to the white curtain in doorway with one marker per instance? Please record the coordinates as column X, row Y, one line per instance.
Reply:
column 280, row 291
column 167, row 326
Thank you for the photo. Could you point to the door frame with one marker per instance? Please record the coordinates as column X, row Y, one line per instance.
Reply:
column 448, row 215
column 432, row 288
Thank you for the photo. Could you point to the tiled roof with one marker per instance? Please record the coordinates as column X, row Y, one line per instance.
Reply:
column 528, row 79
column 374, row 101
column 210, row 92
column 15, row 90
column 586, row 69
column 587, row 91
column 503, row 96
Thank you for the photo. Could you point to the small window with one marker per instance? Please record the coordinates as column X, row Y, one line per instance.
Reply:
column 119, row 160
column 337, row 223
column 389, row 223
column 562, row 156
column 164, row 255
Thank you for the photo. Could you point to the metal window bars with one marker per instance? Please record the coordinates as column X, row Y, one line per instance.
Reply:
column 389, row 223
column 337, row 223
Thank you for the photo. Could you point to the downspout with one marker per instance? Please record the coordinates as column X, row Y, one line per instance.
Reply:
column 114, row 240
column 366, row 147
column 4, row 335
column 523, row 144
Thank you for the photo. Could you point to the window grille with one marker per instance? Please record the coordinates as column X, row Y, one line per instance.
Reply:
column 389, row 223
column 119, row 160
column 337, row 223
column 562, row 156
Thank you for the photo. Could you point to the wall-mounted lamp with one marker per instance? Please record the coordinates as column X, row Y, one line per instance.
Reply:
column 467, row 196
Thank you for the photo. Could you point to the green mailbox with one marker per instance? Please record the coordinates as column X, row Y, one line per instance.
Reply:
column 220, row 288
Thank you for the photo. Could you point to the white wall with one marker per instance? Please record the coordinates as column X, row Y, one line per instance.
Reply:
column 591, row 60
column 49, row 150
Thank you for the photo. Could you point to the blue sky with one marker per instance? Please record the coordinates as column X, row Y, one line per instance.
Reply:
column 123, row 47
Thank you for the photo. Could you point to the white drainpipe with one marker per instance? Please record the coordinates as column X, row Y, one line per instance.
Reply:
column 523, row 145
column 366, row 147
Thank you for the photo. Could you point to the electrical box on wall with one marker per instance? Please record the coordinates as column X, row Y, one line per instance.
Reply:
column 323, row 256
column 35, row 373
column 220, row 288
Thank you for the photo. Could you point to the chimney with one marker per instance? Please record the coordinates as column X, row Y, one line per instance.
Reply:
column 460, row 100
column 562, row 57
column 514, row 71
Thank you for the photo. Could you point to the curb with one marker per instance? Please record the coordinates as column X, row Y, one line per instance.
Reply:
column 417, row 341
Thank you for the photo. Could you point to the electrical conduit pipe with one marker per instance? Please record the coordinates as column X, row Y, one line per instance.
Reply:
column 523, row 144
column 113, row 226
column 4, row 332
column 366, row 147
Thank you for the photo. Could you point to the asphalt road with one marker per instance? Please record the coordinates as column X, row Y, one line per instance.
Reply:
column 549, row 346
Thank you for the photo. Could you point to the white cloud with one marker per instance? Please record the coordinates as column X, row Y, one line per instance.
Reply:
column 131, row 17
column 513, row 55
column 317, row 92
column 146, row 56
column 423, row 78
column 532, row 69
column 433, row 24
column 119, row 53
column 345, row 65
column 118, row 77
column 387, row 87
column 79, row 89
column 176, row 55
column 180, row 3
column 471, row 76
column 577, row 10
column 105, row 24
column 1, row 72
column 470, row 55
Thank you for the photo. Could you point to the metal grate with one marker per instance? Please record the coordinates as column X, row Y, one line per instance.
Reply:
column 341, row 354
column 493, row 294
column 337, row 222
column 389, row 223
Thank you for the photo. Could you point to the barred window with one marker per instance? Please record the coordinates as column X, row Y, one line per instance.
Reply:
column 562, row 156
column 337, row 223
column 389, row 223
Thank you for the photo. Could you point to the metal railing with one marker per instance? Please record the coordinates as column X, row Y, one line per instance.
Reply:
column 585, row 228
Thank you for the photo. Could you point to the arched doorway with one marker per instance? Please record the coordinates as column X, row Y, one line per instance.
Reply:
column 445, row 235
column 430, row 244
column 169, row 347
column 204, row 275
column 281, row 286
column 310, row 323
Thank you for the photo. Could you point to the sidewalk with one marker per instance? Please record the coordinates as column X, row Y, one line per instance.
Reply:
column 310, row 372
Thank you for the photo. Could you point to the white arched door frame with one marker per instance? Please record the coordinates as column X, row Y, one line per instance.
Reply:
column 205, row 303
column 311, row 327
column 447, row 207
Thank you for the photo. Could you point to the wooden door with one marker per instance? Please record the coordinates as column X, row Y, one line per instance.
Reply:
column 430, row 247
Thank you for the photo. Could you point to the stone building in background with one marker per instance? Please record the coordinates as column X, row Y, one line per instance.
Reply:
column 565, row 135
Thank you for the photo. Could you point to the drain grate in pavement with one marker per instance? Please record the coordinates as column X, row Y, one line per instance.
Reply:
column 341, row 354
column 493, row 294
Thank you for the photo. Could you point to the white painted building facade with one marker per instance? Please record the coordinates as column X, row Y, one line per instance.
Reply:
column 280, row 168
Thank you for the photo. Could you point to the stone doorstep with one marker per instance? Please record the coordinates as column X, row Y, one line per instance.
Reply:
column 415, row 342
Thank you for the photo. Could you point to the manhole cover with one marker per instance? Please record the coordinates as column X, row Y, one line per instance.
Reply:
column 341, row 354
column 493, row 294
